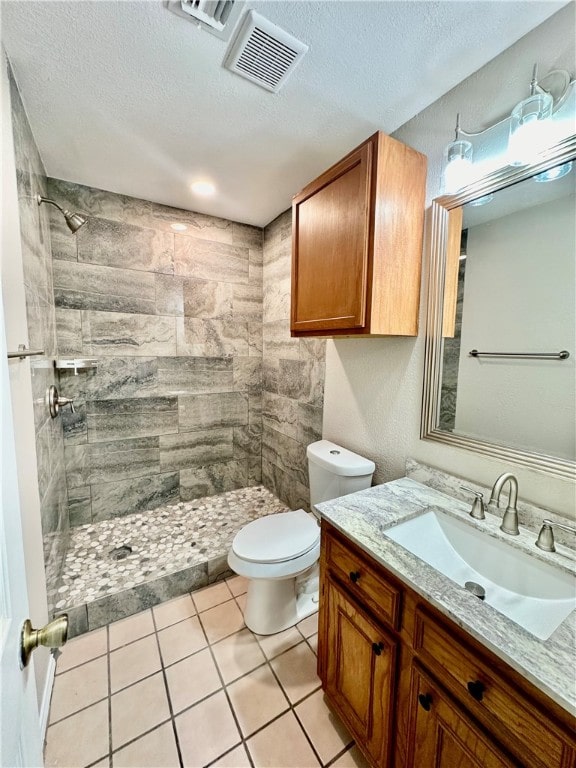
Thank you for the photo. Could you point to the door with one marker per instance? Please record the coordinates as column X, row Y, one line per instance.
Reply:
column 359, row 670
column 442, row 735
column 19, row 723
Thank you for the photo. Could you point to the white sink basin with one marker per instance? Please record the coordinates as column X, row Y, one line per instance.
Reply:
column 529, row 591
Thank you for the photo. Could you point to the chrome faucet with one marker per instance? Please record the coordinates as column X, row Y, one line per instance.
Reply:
column 510, row 519
column 545, row 538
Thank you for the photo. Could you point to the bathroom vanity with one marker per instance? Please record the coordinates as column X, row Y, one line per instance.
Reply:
column 422, row 672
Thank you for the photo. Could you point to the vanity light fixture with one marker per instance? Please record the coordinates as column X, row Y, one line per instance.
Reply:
column 529, row 123
column 531, row 130
column 554, row 173
column 481, row 200
column 458, row 156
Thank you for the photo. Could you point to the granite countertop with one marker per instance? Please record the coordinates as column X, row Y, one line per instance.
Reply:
column 364, row 517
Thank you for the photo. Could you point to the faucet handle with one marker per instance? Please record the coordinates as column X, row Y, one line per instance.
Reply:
column 478, row 510
column 545, row 538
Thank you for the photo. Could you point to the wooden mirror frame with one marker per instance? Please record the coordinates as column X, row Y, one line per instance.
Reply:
column 444, row 224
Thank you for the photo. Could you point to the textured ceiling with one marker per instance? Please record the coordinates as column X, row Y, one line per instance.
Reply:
column 128, row 97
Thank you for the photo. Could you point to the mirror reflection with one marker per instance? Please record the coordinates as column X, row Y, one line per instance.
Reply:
column 512, row 272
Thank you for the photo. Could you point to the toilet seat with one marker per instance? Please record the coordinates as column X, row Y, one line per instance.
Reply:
column 277, row 538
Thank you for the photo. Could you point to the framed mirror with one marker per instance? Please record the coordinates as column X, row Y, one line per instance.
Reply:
column 500, row 363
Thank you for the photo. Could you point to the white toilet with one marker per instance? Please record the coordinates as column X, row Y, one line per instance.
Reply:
column 279, row 553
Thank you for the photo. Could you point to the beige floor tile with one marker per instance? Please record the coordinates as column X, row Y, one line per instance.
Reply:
column 130, row 629
column 256, row 699
column 324, row 729
column 79, row 688
column 309, row 625
column 296, row 670
column 313, row 643
column 282, row 743
column 192, row 679
column 351, row 759
column 211, row 596
column 237, row 585
column 156, row 749
column 272, row 645
column 237, row 758
column 181, row 640
column 241, row 600
column 81, row 649
column 206, row 731
column 173, row 611
column 238, row 654
column 137, row 709
column 62, row 750
column 133, row 662
column 223, row 620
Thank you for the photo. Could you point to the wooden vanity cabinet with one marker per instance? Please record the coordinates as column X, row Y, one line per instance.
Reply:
column 439, row 698
column 357, row 244
column 360, row 675
column 442, row 735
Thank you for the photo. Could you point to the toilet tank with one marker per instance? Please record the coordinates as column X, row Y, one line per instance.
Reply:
column 334, row 471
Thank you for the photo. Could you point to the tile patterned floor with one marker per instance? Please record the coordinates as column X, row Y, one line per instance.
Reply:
column 187, row 684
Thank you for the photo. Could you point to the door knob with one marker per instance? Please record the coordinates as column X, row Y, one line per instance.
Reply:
column 55, row 401
column 53, row 635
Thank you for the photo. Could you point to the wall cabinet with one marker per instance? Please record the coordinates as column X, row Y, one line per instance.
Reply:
column 357, row 244
column 413, row 688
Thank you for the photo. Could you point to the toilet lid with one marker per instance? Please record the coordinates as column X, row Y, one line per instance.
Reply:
column 277, row 538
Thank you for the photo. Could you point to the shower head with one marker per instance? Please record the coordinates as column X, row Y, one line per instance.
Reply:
column 73, row 220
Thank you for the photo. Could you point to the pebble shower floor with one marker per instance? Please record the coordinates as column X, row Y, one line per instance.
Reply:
column 120, row 554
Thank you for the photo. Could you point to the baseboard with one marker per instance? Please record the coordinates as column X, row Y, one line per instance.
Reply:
column 46, row 696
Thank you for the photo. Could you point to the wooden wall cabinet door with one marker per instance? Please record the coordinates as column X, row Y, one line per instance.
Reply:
column 443, row 735
column 357, row 243
column 359, row 673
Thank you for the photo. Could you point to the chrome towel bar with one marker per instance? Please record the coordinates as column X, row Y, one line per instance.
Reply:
column 563, row 355
column 23, row 353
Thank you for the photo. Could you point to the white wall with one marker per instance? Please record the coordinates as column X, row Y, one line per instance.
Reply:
column 519, row 296
column 373, row 387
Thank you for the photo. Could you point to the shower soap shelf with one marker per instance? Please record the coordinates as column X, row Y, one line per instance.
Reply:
column 76, row 363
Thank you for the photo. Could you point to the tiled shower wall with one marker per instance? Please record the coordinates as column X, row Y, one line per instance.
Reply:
column 173, row 409
column 293, row 377
column 37, row 267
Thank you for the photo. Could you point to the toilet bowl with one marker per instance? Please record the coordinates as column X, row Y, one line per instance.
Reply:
column 279, row 553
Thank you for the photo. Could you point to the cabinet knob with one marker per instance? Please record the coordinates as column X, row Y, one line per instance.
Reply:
column 354, row 576
column 377, row 648
column 476, row 689
column 425, row 701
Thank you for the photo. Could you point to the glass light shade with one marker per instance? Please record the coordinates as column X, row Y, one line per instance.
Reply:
column 458, row 169
column 554, row 173
column 529, row 128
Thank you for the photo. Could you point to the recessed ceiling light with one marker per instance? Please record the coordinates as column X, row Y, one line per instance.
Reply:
column 177, row 227
column 204, row 188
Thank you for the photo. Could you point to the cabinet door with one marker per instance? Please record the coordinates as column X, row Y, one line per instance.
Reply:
column 359, row 669
column 442, row 735
column 331, row 221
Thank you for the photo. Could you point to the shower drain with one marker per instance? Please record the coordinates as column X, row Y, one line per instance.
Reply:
column 119, row 553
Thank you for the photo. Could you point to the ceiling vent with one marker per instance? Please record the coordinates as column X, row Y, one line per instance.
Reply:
column 215, row 16
column 263, row 53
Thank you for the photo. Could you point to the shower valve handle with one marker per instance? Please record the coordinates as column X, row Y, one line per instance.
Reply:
column 55, row 401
